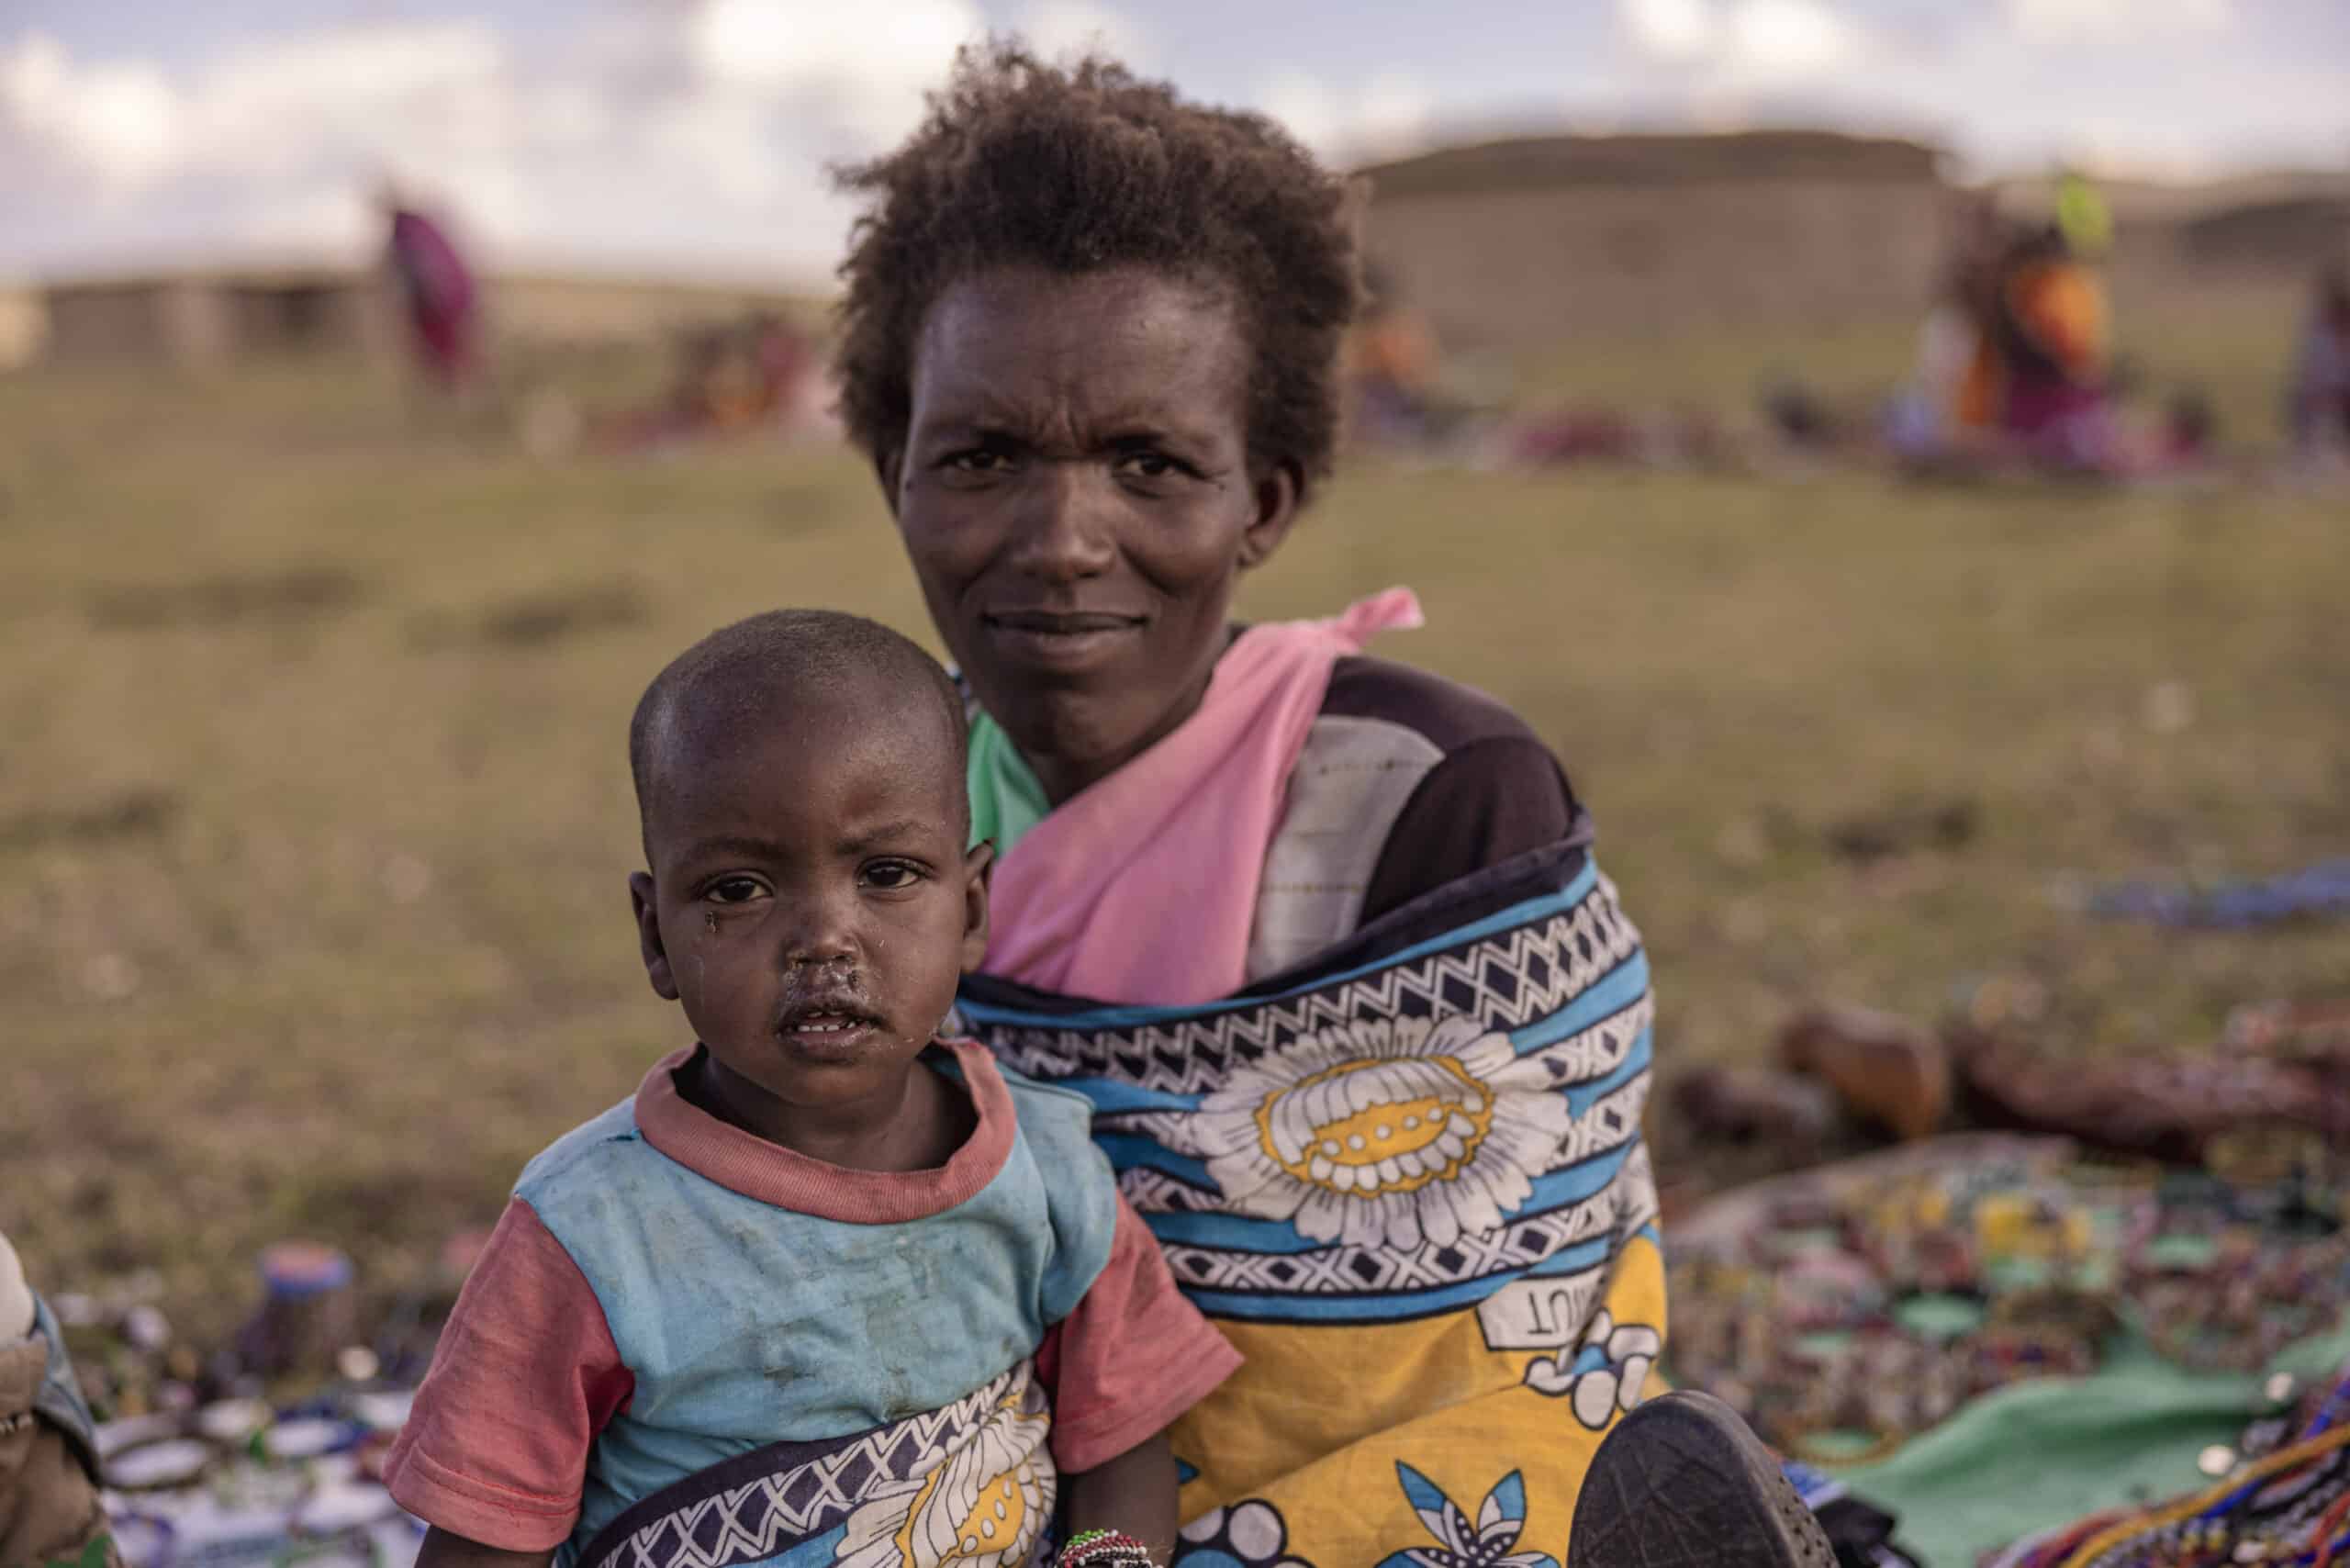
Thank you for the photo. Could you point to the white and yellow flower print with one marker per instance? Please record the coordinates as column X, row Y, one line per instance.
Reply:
column 985, row 1505
column 1391, row 1133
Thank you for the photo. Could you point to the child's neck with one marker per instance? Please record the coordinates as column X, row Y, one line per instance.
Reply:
column 919, row 1128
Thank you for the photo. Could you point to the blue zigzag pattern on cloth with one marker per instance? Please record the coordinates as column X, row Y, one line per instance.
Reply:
column 1253, row 1135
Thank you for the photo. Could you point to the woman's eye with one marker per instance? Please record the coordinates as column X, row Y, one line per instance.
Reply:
column 891, row 874
column 734, row 890
column 978, row 460
column 1149, row 464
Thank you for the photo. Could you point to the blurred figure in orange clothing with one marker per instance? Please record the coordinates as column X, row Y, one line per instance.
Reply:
column 1391, row 361
column 2037, row 383
column 2050, row 330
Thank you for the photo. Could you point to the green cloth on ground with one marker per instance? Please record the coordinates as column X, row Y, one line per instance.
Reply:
column 2037, row 1455
column 1006, row 799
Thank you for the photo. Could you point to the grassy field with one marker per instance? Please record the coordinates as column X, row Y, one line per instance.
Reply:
column 314, row 814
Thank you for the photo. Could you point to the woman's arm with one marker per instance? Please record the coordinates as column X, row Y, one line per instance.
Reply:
column 442, row 1550
column 1134, row 1492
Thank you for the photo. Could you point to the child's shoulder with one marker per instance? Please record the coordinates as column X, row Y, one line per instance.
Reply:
column 1055, row 1158
column 1030, row 1097
column 1041, row 1109
column 580, row 1156
column 1055, row 1129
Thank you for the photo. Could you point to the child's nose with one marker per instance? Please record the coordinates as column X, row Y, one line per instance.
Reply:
column 825, row 932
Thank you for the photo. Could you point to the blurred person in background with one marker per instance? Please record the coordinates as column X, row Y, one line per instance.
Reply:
column 1392, row 361
column 1946, row 409
column 439, row 299
column 2043, row 359
column 2318, row 400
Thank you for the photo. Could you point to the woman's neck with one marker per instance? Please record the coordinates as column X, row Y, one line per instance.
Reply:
column 1067, row 765
column 1064, row 774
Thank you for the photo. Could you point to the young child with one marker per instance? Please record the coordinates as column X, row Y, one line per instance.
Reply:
column 827, row 1288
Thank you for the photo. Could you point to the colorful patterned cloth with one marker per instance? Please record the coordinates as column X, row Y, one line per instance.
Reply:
column 1407, row 1181
column 1990, row 1337
column 2284, row 1497
column 879, row 1499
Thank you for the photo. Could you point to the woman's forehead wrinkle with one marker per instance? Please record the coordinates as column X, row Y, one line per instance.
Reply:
column 1072, row 402
column 1077, row 366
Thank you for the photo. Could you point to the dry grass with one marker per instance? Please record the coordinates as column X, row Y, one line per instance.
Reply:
column 314, row 815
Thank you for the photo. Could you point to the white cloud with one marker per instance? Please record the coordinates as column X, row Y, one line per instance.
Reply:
column 1669, row 29
column 1717, row 49
column 1790, row 38
column 2058, row 21
column 1305, row 107
column 116, row 122
column 695, row 133
column 705, row 129
column 1065, row 29
column 1386, row 116
column 370, row 93
column 1392, row 113
column 275, row 112
column 787, row 43
column 868, row 64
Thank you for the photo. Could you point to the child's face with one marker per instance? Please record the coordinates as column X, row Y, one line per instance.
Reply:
column 811, row 904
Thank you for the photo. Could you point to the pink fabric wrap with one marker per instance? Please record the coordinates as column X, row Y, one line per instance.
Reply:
column 1142, row 888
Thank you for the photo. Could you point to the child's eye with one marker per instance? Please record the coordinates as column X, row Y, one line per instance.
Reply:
column 736, row 890
column 891, row 875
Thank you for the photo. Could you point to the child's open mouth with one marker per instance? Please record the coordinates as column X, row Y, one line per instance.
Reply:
column 827, row 1032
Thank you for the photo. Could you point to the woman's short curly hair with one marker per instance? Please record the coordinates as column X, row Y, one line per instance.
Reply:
column 1084, row 167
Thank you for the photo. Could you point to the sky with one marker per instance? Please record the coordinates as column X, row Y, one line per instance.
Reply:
column 694, row 136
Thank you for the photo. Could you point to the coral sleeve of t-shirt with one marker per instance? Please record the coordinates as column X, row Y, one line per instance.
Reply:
column 1133, row 1355
column 525, row 1376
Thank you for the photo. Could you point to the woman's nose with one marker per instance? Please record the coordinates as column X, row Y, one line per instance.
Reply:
column 1066, row 521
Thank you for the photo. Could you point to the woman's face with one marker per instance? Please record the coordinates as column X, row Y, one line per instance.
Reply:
column 1076, row 494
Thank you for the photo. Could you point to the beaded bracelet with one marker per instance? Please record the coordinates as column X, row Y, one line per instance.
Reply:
column 1102, row 1549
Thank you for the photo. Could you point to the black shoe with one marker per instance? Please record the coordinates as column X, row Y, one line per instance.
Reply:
column 1681, row 1481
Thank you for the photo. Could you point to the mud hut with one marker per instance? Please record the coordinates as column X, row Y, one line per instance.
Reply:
column 1569, row 236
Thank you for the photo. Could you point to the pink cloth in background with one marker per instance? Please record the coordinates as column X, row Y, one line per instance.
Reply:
column 1142, row 888
column 440, row 289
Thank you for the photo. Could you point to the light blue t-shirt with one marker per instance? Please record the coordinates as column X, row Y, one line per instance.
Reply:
column 822, row 1303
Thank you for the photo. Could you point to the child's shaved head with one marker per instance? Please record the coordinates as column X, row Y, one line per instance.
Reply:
column 752, row 671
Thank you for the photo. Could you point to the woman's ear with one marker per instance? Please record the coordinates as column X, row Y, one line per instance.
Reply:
column 887, row 467
column 1279, row 490
column 979, row 865
column 648, row 935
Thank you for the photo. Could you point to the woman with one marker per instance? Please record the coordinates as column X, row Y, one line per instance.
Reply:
column 1319, row 935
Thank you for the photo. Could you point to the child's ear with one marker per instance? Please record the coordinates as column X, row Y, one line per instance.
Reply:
column 648, row 935
column 979, row 865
